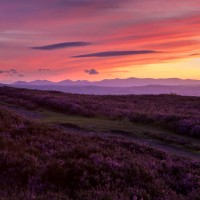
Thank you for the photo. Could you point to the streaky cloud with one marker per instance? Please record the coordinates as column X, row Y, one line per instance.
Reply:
column 10, row 71
column 61, row 45
column 44, row 69
column 115, row 53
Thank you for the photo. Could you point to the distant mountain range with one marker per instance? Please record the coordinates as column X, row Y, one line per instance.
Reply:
column 187, row 87
column 129, row 82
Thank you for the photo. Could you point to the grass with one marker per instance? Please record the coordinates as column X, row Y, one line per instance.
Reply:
column 38, row 161
column 172, row 112
column 150, row 134
column 139, row 130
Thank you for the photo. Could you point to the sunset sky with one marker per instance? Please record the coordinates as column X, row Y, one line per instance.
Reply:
column 99, row 39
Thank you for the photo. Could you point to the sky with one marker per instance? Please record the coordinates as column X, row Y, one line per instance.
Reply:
column 99, row 39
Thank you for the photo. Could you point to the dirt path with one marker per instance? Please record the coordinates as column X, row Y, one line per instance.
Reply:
column 171, row 149
column 107, row 127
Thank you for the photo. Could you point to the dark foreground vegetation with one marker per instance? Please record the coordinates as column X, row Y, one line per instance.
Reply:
column 178, row 113
column 42, row 162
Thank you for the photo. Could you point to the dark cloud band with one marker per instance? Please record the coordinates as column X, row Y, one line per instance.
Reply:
column 61, row 45
column 115, row 53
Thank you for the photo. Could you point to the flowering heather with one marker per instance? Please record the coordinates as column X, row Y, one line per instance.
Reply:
column 42, row 162
column 177, row 113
